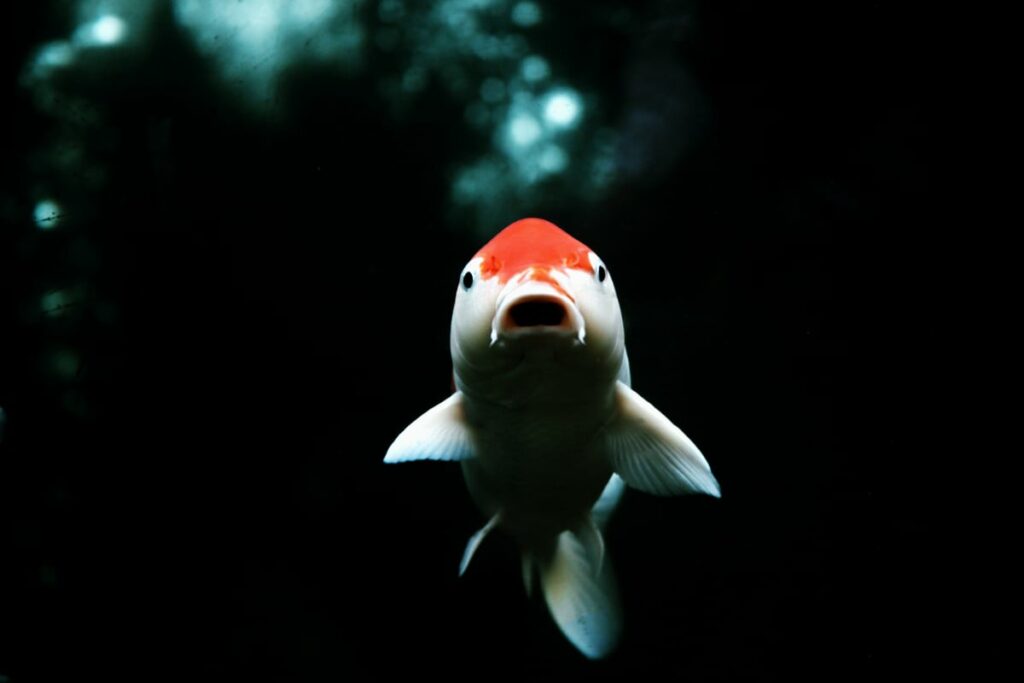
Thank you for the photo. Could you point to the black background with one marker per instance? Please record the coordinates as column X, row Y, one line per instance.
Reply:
column 216, row 503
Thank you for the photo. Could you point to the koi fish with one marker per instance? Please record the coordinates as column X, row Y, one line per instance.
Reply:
column 544, row 423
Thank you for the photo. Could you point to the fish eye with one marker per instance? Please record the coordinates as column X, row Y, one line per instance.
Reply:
column 601, row 274
column 467, row 280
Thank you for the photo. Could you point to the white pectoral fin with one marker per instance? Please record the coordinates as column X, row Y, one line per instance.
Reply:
column 609, row 500
column 579, row 588
column 652, row 454
column 474, row 542
column 438, row 434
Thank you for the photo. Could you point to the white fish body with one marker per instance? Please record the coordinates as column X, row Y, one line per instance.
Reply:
column 544, row 422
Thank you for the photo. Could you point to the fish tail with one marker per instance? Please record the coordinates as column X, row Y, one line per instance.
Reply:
column 579, row 588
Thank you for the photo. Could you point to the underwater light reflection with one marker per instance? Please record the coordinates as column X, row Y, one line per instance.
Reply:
column 562, row 108
column 253, row 42
column 105, row 31
column 47, row 214
column 108, row 29
column 526, row 14
column 524, row 130
column 535, row 68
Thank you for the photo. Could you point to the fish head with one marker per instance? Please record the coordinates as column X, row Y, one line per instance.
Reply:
column 534, row 290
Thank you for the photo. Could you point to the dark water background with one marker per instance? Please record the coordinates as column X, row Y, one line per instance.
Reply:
column 236, row 256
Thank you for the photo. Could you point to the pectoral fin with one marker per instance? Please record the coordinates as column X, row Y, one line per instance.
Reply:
column 474, row 542
column 609, row 500
column 438, row 434
column 652, row 454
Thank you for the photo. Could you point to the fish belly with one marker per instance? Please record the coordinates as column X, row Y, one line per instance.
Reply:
column 542, row 469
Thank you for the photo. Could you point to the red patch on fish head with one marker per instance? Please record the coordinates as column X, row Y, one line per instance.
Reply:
column 536, row 243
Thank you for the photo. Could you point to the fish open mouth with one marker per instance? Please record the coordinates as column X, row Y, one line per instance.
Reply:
column 537, row 313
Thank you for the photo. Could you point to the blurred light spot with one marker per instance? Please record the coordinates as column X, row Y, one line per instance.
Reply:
column 492, row 90
column 460, row 14
column 535, row 68
column 55, row 55
column 457, row 17
column 47, row 214
column 562, row 108
column 54, row 303
column 526, row 14
column 602, row 165
column 414, row 79
column 256, row 23
column 488, row 47
column 522, row 98
column 109, row 29
column 513, row 47
column 390, row 10
column 254, row 41
column 3, row 422
column 524, row 130
column 553, row 159
column 476, row 181
column 309, row 10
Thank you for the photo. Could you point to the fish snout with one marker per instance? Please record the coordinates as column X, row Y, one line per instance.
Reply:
column 537, row 309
